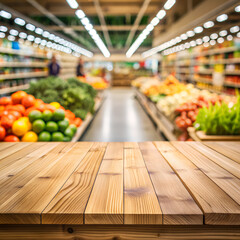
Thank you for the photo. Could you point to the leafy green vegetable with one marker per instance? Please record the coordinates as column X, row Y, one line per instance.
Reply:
column 219, row 119
column 71, row 94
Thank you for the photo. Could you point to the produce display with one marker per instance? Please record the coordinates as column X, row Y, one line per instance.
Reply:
column 72, row 94
column 25, row 118
column 97, row 83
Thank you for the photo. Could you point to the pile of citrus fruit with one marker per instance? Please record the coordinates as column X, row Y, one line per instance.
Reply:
column 24, row 118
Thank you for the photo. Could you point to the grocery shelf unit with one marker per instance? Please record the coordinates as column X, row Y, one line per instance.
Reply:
column 163, row 124
column 198, row 68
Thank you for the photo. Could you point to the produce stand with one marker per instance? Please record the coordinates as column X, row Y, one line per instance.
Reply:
column 201, row 136
column 163, row 124
column 80, row 131
column 151, row 190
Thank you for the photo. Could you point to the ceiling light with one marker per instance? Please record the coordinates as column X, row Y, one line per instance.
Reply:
column 238, row 35
column 45, row 34
column 178, row 39
column 212, row 42
column 23, row 35
column 214, row 36
column 155, row 21
column 13, row 32
column 11, row 38
column 161, row 14
column 89, row 27
column 85, row 21
column 80, row 14
column 234, row 29
column 193, row 43
column 5, row 14
column 199, row 41
column 222, row 18
column 37, row 40
column 149, row 27
column 39, row 31
column 169, row 4
column 2, row 35
column 187, row 45
column 208, row 24
column 43, row 42
column 198, row 29
column 72, row 3
column 3, row 29
column 229, row 37
column 184, row 36
column 206, row 44
column 30, row 38
column 206, row 39
column 30, row 27
column 223, row 33
column 19, row 21
column 57, row 39
column 190, row 33
column 51, row 36
column 237, row 9
column 92, row 32
column 220, row 40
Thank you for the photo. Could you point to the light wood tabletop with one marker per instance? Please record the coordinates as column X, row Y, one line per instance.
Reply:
column 128, row 184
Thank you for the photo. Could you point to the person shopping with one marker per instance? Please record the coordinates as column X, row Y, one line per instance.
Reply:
column 53, row 67
column 80, row 68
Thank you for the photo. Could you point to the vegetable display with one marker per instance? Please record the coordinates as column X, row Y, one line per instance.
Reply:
column 72, row 94
column 220, row 119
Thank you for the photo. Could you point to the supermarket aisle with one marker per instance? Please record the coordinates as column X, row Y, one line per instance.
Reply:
column 121, row 118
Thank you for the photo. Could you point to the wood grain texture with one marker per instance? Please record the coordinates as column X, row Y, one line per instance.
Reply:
column 4, row 145
column 131, row 145
column 177, row 205
column 221, row 160
column 218, row 207
column 140, row 201
column 118, row 232
column 225, row 149
column 26, row 205
column 225, row 180
column 105, row 205
column 114, row 151
column 68, row 206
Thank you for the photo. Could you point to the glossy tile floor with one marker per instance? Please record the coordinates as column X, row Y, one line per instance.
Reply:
column 121, row 118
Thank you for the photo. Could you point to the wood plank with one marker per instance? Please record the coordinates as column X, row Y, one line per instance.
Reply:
column 105, row 205
column 117, row 232
column 235, row 146
column 131, row 145
column 177, row 205
column 140, row 201
column 12, row 149
column 225, row 180
column 114, row 151
column 221, row 160
column 4, row 145
column 218, row 207
column 68, row 206
column 26, row 205
column 225, row 150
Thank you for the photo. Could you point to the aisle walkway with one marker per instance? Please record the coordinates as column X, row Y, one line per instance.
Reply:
column 121, row 118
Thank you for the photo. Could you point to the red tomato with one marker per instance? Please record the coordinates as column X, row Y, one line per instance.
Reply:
column 7, row 121
column 16, row 114
column 5, row 101
column 28, row 101
column 11, row 138
column 2, row 133
column 188, row 122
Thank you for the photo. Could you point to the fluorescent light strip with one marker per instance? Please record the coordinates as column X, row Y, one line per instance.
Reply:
column 72, row 3
column 160, row 15
column 5, row 14
column 19, row 21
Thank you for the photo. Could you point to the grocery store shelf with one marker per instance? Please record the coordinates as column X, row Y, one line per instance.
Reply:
column 88, row 119
column 216, row 51
column 23, row 75
column 163, row 124
column 23, row 64
column 219, row 61
column 207, row 71
column 13, row 89
column 207, row 80
column 22, row 53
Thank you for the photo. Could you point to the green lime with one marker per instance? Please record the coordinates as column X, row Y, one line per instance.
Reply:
column 47, row 115
column 34, row 115
column 66, row 139
column 58, row 115
column 69, row 132
column 38, row 126
column 63, row 125
column 57, row 137
column 44, row 137
column 51, row 126
column 73, row 128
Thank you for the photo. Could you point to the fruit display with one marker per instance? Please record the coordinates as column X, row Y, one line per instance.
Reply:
column 25, row 118
column 71, row 94
column 219, row 119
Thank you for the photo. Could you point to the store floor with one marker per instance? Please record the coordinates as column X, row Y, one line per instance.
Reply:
column 121, row 118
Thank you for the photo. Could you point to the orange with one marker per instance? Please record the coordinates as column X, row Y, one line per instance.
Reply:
column 30, row 137
column 18, row 96
column 26, row 119
column 28, row 101
column 19, row 128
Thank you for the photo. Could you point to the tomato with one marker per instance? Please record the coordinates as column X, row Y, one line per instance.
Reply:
column 2, row 133
column 49, row 107
column 19, row 108
column 184, row 114
column 188, row 122
column 11, row 138
column 182, row 124
column 7, row 121
column 18, row 96
column 78, row 121
column 28, row 101
column 16, row 114
column 191, row 114
column 4, row 113
column 5, row 101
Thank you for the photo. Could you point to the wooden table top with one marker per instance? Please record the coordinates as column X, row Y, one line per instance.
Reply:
column 181, row 183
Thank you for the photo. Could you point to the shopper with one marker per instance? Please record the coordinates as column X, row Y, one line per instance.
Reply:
column 80, row 68
column 53, row 67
